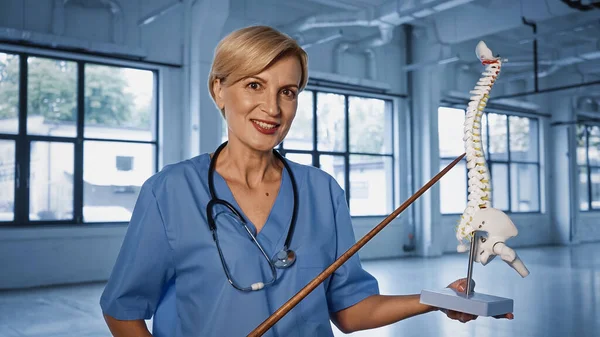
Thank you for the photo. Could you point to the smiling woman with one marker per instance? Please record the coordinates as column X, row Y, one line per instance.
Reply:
column 258, row 72
column 230, row 236
column 267, row 100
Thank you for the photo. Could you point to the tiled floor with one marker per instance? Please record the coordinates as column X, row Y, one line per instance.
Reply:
column 560, row 298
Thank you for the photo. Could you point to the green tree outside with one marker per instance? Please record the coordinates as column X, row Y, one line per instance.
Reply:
column 52, row 93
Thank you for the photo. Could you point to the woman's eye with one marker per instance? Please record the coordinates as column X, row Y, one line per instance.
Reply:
column 254, row 85
column 288, row 93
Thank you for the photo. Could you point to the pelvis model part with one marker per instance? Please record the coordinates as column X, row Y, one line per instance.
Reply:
column 493, row 225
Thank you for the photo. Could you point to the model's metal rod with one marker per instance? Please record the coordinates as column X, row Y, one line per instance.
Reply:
column 471, row 258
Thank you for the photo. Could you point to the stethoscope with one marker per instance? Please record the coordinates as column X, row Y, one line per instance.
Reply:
column 285, row 257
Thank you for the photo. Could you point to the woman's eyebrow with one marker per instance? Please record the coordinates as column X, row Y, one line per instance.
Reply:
column 257, row 78
column 263, row 80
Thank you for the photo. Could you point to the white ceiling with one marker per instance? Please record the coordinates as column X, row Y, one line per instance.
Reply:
column 561, row 31
column 349, row 4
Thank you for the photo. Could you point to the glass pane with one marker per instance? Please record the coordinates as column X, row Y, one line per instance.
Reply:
column 51, row 181
column 119, row 103
column 335, row 166
column 7, row 180
column 524, row 188
column 51, row 97
column 9, row 93
column 113, row 174
column 331, row 122
column 300, row 136
column 594, row 145
column 451, row 131
column 370, row 125
column 523, row 139
column 581, row 145
column 583, row 189
column 499, row 176
column 371, row 180
column 595, row 180
column 453, row 188
column 300, row 158
column 497, row 134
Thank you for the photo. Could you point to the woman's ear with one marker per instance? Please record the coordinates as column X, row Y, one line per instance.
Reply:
column 218, row 91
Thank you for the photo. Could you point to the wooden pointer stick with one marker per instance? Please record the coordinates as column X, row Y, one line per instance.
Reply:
column 292, row 302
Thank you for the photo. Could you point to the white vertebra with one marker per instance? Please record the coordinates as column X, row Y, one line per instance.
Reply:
column 479, row 214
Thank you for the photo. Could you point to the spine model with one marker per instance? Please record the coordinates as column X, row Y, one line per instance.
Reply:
column 479, row 215
column 479, row 184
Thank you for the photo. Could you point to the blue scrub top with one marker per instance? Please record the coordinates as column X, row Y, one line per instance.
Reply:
column 169, row 267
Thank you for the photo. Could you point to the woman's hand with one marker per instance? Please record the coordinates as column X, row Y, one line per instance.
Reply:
column 460, row 286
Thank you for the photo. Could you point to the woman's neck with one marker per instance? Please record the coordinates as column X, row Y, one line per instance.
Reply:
column 250, row 168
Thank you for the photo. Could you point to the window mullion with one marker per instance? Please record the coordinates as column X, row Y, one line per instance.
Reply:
column 157, row 138
column 78, row 153
column 346, row 153
column 588, row 166
column 21, row 206
column 315, row 157
column 538, row 166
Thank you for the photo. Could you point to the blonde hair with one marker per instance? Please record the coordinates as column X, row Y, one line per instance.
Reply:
column 249, row 51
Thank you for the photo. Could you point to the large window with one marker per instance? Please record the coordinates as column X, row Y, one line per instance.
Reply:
column 588, row 161
column 77, row 139
column 351, row 138
column 511, row 149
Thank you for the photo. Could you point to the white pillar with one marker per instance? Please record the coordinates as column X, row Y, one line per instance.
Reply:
column 426, row 94
column 205, row 20
column 564, row 188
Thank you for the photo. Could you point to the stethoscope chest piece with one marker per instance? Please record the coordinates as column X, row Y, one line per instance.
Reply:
column 284, row 259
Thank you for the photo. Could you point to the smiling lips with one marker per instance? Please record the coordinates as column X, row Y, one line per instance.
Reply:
column 267, row 128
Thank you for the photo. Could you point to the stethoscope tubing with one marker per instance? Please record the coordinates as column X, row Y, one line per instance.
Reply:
column 278, row 261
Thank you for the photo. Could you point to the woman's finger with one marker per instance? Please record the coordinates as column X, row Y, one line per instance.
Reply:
column 453, row 314
column 508, row 316
column 461, row 284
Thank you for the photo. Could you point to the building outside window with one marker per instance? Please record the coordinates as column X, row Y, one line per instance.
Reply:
column 73, row 136
column 511, row 148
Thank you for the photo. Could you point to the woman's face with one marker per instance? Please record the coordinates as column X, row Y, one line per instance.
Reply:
column 260, row 109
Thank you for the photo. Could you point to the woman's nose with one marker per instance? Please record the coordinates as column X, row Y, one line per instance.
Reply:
column 271, row 105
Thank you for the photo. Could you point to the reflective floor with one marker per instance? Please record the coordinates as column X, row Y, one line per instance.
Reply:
column 561, row 297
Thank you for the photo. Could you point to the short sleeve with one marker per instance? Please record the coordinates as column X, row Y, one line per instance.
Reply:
column 143, row 265
column 350, row 283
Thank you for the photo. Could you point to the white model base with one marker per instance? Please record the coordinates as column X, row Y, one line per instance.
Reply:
column 475, row 304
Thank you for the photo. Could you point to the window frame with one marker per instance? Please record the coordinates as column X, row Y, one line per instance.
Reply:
column 346, row 154
column 508, row 162
column 23, row 140
column 587, row 166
